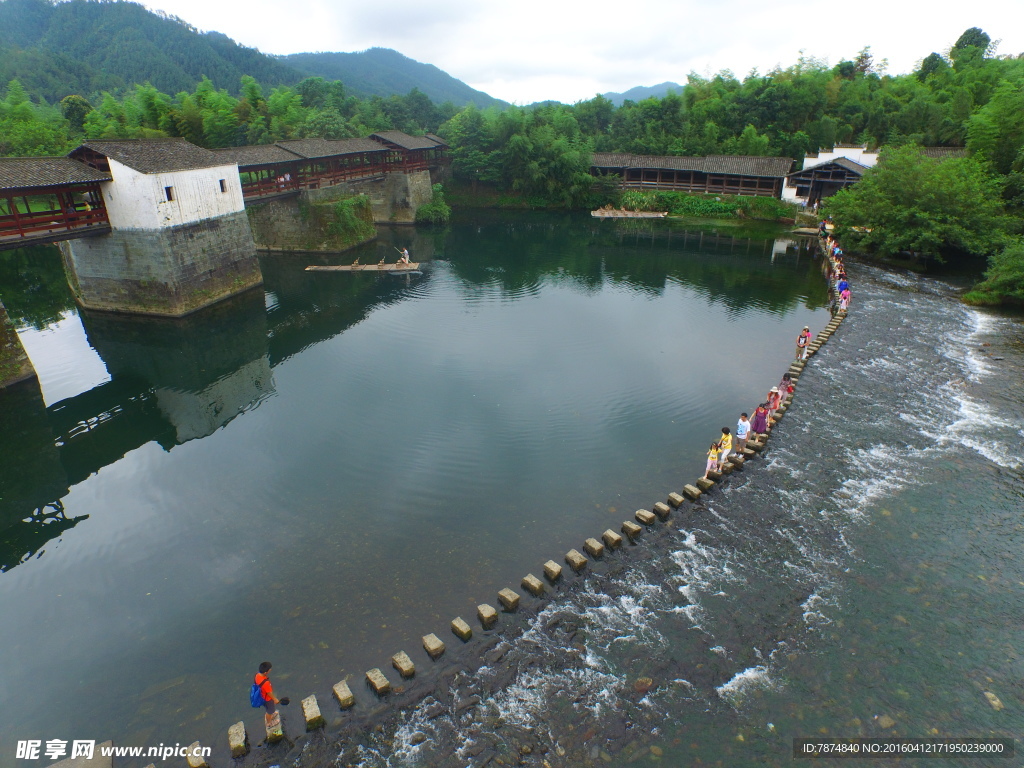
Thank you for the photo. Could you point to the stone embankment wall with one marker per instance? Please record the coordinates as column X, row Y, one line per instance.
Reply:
column 170, row 271
column 299, row 224
column 14, row 363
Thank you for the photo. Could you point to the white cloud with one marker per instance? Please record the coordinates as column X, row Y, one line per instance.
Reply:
column 544, row 49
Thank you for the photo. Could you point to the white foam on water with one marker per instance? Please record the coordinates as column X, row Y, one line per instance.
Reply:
column 744, row 683
column 883, row 470
column 978, row 428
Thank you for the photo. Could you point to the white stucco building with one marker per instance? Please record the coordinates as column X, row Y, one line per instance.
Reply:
column 161, row 183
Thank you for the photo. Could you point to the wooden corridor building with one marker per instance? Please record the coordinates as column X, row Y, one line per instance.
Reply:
column 47, row 199
column 714, row 174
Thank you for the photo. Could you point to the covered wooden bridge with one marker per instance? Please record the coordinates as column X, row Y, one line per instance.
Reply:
column 47, row 199
column 713, row 174
column 286, row 167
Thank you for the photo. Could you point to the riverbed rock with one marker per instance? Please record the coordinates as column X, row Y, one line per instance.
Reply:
column 662, row 510
column 993, row 700
column 576, row 560
column 403, row 664
column 552, row 570
column 631, row 529
column 344, row 695
column 238, row 739
column 487, row 615
column 509, row 600
column 611, row 539
column 594, row 547
column 461, row 629
column 644, row 516
column 704, row 484
column 533, row 585
column 692, row 491
column 380, row 684
column 311, row 712
column 886, row 722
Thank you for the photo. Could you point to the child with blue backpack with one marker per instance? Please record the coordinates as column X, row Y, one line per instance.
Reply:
column 262, row 695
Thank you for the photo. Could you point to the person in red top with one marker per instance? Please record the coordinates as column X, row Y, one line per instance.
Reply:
column 269, row 700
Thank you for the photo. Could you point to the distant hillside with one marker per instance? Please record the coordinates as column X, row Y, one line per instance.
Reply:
column 382, row 72
column 643, row 92
column 57, row 48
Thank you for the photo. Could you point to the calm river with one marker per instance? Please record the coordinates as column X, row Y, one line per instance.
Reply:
column 322, row 472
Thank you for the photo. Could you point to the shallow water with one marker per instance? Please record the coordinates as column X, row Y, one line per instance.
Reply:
column 862, row 579
column 324, row 471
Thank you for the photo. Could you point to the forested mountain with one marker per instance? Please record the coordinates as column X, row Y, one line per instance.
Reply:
column 382, row 72
column 77, row 47
column 58, row 48
column 641, row 92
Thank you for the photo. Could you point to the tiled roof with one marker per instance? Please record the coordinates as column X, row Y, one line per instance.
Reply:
column 436, row 139
column 23, row 172
column 155, row 155
column 405, row 141
column 316, row 148
column 943, row 153
column 738, row 165
column 260, row 154
column 842, row 162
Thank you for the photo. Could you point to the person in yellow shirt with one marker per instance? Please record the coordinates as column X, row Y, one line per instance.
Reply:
column 724, row 447
column 712, row 459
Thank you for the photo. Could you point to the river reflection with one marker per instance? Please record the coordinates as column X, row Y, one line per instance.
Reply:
column 348, row 461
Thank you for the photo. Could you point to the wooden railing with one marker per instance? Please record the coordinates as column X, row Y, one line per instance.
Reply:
column 23, row 225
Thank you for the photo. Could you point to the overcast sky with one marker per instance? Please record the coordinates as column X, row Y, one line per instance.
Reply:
column 531, row 50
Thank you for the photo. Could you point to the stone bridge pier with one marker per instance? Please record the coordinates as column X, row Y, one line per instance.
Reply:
column 179, row 239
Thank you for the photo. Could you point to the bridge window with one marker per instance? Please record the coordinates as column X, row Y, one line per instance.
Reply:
column 169, row 193
column 223, row 186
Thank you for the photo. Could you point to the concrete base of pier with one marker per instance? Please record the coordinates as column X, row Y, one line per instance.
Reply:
column 170, row 271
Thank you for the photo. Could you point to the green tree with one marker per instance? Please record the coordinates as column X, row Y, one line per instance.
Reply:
column 75, row 108
column 938, row 209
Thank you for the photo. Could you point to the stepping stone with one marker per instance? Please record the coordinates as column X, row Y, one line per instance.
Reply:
column 645, row 517
column 509, row 600
column 344, row 695
column 737, row 461
column 194, row 755
column 275, row 729
column 576, row 560
column 461, row 629
column 533, row 585
column 748, row 453
column 238, row 739
column 631, row 529
column 705, row 485
column 433, row 645
column 380, row 684
column 403, row 664
column 715, row 475
column 727, row 468
column 756, row 446
column 675, row 499
column 612, row 539
column 594, row 547
column 552, row 570
column 662, row 510
column 692, row 491
column 311, row 711
column 487, row 615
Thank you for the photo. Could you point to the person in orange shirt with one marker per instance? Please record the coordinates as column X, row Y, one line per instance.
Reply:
column 267, row 690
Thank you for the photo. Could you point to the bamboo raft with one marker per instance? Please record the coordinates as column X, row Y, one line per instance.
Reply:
column 395, row 269
column 619, row 213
